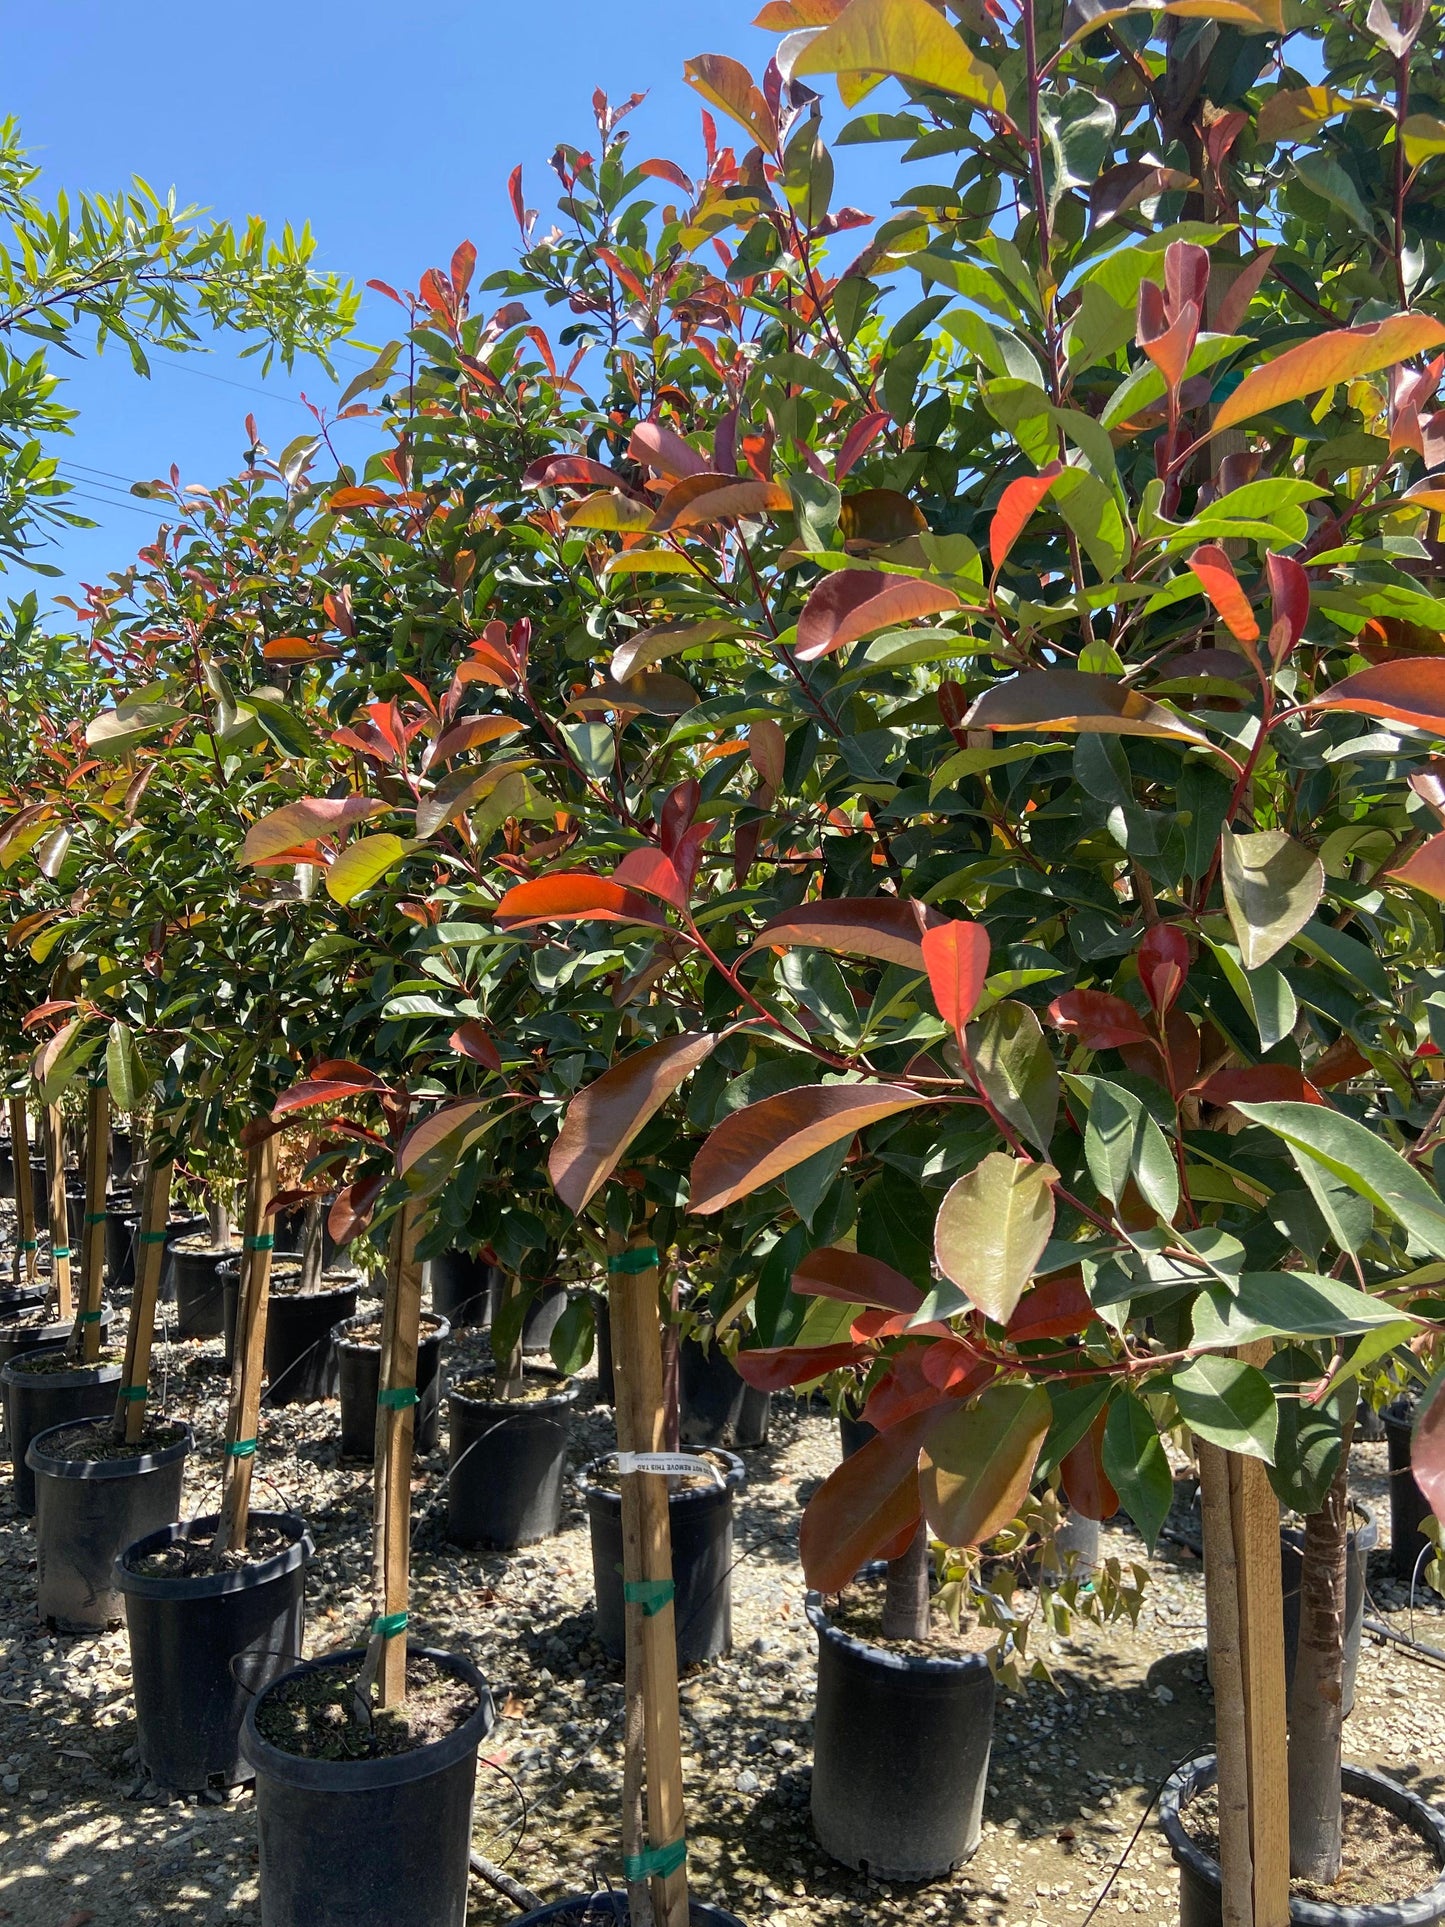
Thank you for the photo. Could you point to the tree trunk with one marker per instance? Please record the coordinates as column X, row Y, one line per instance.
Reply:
column 220, row 1223
column 905, row 1604
column 312, row 1245
column 506, row 1319
column 1316, row 1699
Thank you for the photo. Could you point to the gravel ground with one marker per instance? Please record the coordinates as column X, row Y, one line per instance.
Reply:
column 86, row 1842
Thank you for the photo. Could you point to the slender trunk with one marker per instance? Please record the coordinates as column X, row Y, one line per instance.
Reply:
column 671, row 1377
column 220, row 1223
column 906, row 1612
column 507, row 1322
column 312, row 1245
column 1316, row 1699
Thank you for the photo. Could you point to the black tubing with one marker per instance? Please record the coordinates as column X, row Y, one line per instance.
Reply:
column 599, row 1910
column 35, row 1401
column 701, row 1524
column 508, row 1460
column 1199, row 1892
column 86, row 1511
column 202, row 1647
column 200, row 1299
column 719, row 1407
column 368, row 1843
column 1409, row 1508
column 359, row 1377
column 16, row 1338
column 462, row 1285
column 1360, row 1544
column 900, row 1754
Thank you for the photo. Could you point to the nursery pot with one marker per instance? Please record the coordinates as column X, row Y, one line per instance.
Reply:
column 122, row 1156
column 359, row 1371
column 461, row 1288
column 40, row 1191
column 900, row 1754
column 18, row 1337
column 15, row 1299
column 854, row 1433
column 1362, row 1540
column 301, row 1362
column 200, row 1295
column 701, row 1522
column 717, row 1407
column 202, row 1645
column 285, row 1265
column 86, row 1510
column 368, row 1843
column 1199, row 1894
column 7, row 1169
column 75, row 1223
column 122, row 1222
column 611, row 1910
column 546, row 1308
column 507, row 1461
column 1409, row 1508
column 36, row 1400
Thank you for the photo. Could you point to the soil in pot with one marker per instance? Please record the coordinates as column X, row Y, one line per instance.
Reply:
column 94, row 1496
column 508, row 1460
column 358, row 1350
column 30, row 1332
column 700, row 1518
column 367, row 1824
column 901, row 1741
column 717, row 1406
column 46, row 1388
column 206, row 1637
column 200, row 1295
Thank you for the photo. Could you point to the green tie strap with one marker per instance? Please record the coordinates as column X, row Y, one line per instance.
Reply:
column 91, row 1317
column 154, row 1237
column 60, row 1251
column 655, row 1860
column 30, row 1244
column 651, row 1594
column 263, row 1241
column 639, row 1258
column 132, row 1394
column 241, row 1449
column 388, row 1625
column 396, row 1398
column 95, row 1217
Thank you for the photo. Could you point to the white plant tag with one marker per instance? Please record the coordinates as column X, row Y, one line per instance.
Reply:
column 672, row 1464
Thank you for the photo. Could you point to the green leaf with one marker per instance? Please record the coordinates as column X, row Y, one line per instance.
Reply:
column 992, row 1228
column 1123, row 1141
column 974, row 1470
column 1077, row 127
column 1285, row 1304
column 1272, row 886
column 1310, row 1441
column 1229, row 1403
column 125, row 1074
column 284, row 727
column 1374, row 1345
column 1355, row 1155
column 1136, row 1466
column 572, row 1336
column 909, row 39
column 130, row 722
column 1015, row 1066
column 361, row 864
column 1322, row 174
column 1265, row 994
column 1075, row 1409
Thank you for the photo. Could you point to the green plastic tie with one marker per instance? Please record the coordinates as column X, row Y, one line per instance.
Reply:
column 388, row 1625
column 60, row 1251
column 31, row 1244
column 91, row 1317
column 655, row 1860
column 241, row 1449
column 95, row 1217
column 396, row 1398
column 154, row 1237
column 264, row 1241
column 639, row 1258
column 651, row 1594
column 133, row 1394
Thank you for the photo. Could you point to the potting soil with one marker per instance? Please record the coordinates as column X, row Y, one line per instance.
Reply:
column 1384, row 1859
column 315, row 1715
column 189, row 1558
column 93, row 1442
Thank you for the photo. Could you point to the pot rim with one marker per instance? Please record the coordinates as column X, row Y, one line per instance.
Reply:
column 212, row 1585
column 97, row 1374
column 231, row 1267
column 929, row 1665
column 612, row 1906
column 40, row 1461
column 400, row 1769
column 1417, row 1910
column 735, row 1478
column 440, row 1333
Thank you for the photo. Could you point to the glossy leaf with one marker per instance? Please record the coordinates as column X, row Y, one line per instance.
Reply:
column 1272, row 887
column 1259, row 1084
column 1229, row 1403
column 904, row 37
column 604, row 1117
column 1285, row 1304
column 1122, row 1142
column 757, row 1144
column 956, row 957
column 1410, row 691
column 704, row 498
column 1424, row 868
column 729, row 85
column 976, row 1464
column 1011, row 1061
column 296, row 824
column 125, row 1072
column 1163, row 959
column 1098, row 1019
column 1360, row 1158
column 864, row 1504
column 775, row 1368
column 855, row 1279
column 1135, row 1464
column 1084, row 1479
column 991, row 1231
column 1219, row 582
column 883, row 927
column 1015, row 507
column 1339, row 355
column 1058, row 1308
column 360, row 865
column 448, row 1129
column 573, row 896
column 1070, row 699
column 851, row 603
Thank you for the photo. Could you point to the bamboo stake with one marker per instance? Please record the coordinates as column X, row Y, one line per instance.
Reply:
column 1255, row 1515
column 634, row 1733
column 395, row 1430
column 1226, row 1668
column 59, row 1215
column 86, row 1339
column 130, row 1407
column 647, row 1566
column 25, row 1240
column 248, row 1351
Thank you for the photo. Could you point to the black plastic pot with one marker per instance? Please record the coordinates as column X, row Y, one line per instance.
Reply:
column 359, row 1373
column 1362, row 1541
column 15, row 1299
column 122, row 1157
column 1410, row 1550
column 598, row 1910
column 200, row 1296
column 543, row 1313
column 7, row 1169
column 900, row 1754
column 507, row 1462
column 122, row 1222
column 606, row 1380
column 202, row 1647
column 701, row 1522
column 1074, row 1553
column 290, row 1229
column 75, row 1222
column 34, row 1401
column 717, row 1407
column 86, row 1512
column 1199, row 1894
column 285, row 1265
column 461, row 1288
column 301, row 1362
column 368, row 1843
column 40, row 1192
column 854, row 1433
column 176, row 1229
column 17, row 1337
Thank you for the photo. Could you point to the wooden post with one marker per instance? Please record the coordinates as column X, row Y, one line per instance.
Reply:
column 646, row 1567
column 92, row 1243
column 248, row 1350
column 130, row 1407
column 25, row 1240
column 59, row 1215
column 395, row 1431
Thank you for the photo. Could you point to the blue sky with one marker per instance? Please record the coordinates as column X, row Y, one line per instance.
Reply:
column 391, row 130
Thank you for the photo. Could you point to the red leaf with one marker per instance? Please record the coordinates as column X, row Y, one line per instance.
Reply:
column 853, row 1279
column 463, row 262
column 571, row 471
column 1338, row 1064
column 1163, row 965
column 955, row 1367
column 514, row 191
column 324, row 1090
column 956, row 957
column 573, row 896
column 654, row 445
column 667, row 171
column 351, row 1209
column 753, row 1146
column 903, row 1389
column 471, row 733
column 1084, row 1479
column 855, row 602
column 1289, row 588
column 648, row 869
column 604, row 1118
column 859, row 439
column 1216, row 577
column 1015, row 506
column 1424, row 869
column 1182, row 1041
column 1101, row 1021
column 1427, row 1449
column 357, row 498
column 702, row 498
column 1170, row 349
column 297, row 649
column 773, row 1369
column 471, row 1040
column 863, row 1505
column 1058, row 1308
column 888, row 928
column 1410, row 691
column 302, row 822
column 1259, row 1084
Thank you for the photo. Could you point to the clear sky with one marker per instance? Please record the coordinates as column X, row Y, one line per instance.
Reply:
column 391, row 129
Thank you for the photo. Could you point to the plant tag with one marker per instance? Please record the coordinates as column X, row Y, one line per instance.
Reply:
column 676, row 1464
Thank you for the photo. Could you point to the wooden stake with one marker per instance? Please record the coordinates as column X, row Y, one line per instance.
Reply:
column 25, row 1240
column 395, row 1431
column 647, row 1562
column 1226, row 1669
column 59, row 1215
column 130, row 1407
column 92, row 1242
column 248, row 1350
